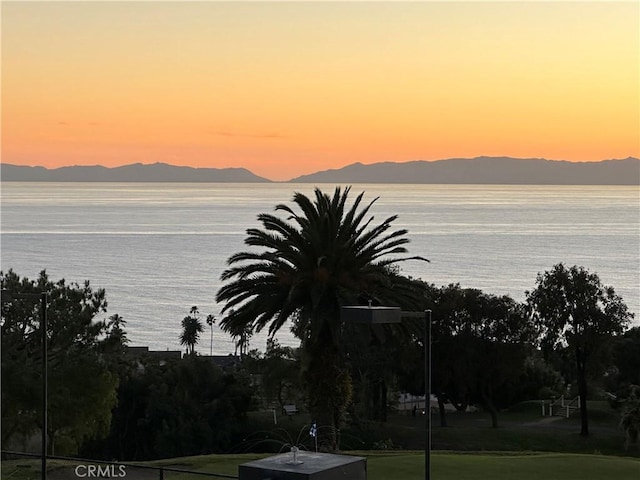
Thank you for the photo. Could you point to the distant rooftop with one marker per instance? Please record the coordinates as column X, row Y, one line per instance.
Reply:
column 222, row 361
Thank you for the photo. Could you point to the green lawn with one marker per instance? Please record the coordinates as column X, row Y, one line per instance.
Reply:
column 505, row 467
column 521, row 429
column 457, row 466
column 410, row 466
column 395, row 466
column 524, row 447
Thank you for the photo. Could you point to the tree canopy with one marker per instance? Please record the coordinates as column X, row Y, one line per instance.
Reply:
column 302, row 268
column 480, row 344
column 574, row 310
column 82, row 389
column 192, row 327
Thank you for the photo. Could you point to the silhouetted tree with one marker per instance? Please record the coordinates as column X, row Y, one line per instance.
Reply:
column 82, row 389
column 626, row 357
column 480, row 346
column 321, row 257
column 574, row 309
column 191, row 329
column 211, row 320
column 174, row 408
column 630, row 419
column 242, row 341
column 280, row 368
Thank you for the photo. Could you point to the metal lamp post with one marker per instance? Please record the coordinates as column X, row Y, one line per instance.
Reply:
column 376, row 315
column 7, row 296
column 427, row 393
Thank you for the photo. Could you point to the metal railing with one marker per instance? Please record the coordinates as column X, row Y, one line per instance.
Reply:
column 91, row 469
column 561, row 407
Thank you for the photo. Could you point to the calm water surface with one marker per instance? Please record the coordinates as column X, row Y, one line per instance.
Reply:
column 158, row 249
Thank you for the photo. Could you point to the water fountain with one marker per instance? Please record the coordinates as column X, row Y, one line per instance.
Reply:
column 304, row 465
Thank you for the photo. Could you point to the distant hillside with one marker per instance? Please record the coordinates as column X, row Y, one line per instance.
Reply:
column 157, row 172
column 481, row 170
column 486, row 170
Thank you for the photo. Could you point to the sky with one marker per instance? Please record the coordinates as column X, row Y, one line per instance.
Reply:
column 290, row 88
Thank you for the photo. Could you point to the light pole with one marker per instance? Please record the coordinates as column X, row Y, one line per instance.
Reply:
column 427, row 386
column 372, row 315
column 427, row 394
column 7, row 296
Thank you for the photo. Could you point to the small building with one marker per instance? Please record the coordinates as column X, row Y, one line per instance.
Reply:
column 158, row 355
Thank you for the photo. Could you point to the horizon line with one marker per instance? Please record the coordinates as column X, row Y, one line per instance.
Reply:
column 2, row 162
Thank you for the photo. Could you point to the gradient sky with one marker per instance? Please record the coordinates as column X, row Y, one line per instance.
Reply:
column 288, row 88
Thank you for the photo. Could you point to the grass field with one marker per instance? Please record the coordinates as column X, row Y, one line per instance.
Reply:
column 521, row 429
column 526, row 446
column 389, row 466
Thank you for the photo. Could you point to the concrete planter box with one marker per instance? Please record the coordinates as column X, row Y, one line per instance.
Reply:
column 309, row 466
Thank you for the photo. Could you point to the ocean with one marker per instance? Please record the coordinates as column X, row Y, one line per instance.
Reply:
column 159, row 248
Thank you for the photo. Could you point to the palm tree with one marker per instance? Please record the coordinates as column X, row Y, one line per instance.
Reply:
column 211, row 320
column 307, row 266
column 191, row 330
column 118, row 337
column 242, row 341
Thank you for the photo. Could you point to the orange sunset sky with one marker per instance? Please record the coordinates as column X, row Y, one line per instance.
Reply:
column 288, row 88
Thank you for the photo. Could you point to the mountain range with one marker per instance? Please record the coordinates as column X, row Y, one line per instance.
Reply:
column 137, row 172
column 479, row 170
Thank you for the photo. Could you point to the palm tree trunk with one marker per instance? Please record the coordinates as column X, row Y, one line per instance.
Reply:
column 321, row 371
column 328, row 386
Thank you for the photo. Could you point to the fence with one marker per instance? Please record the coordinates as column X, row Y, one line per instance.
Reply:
column 561, row 407
column 86, row 469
